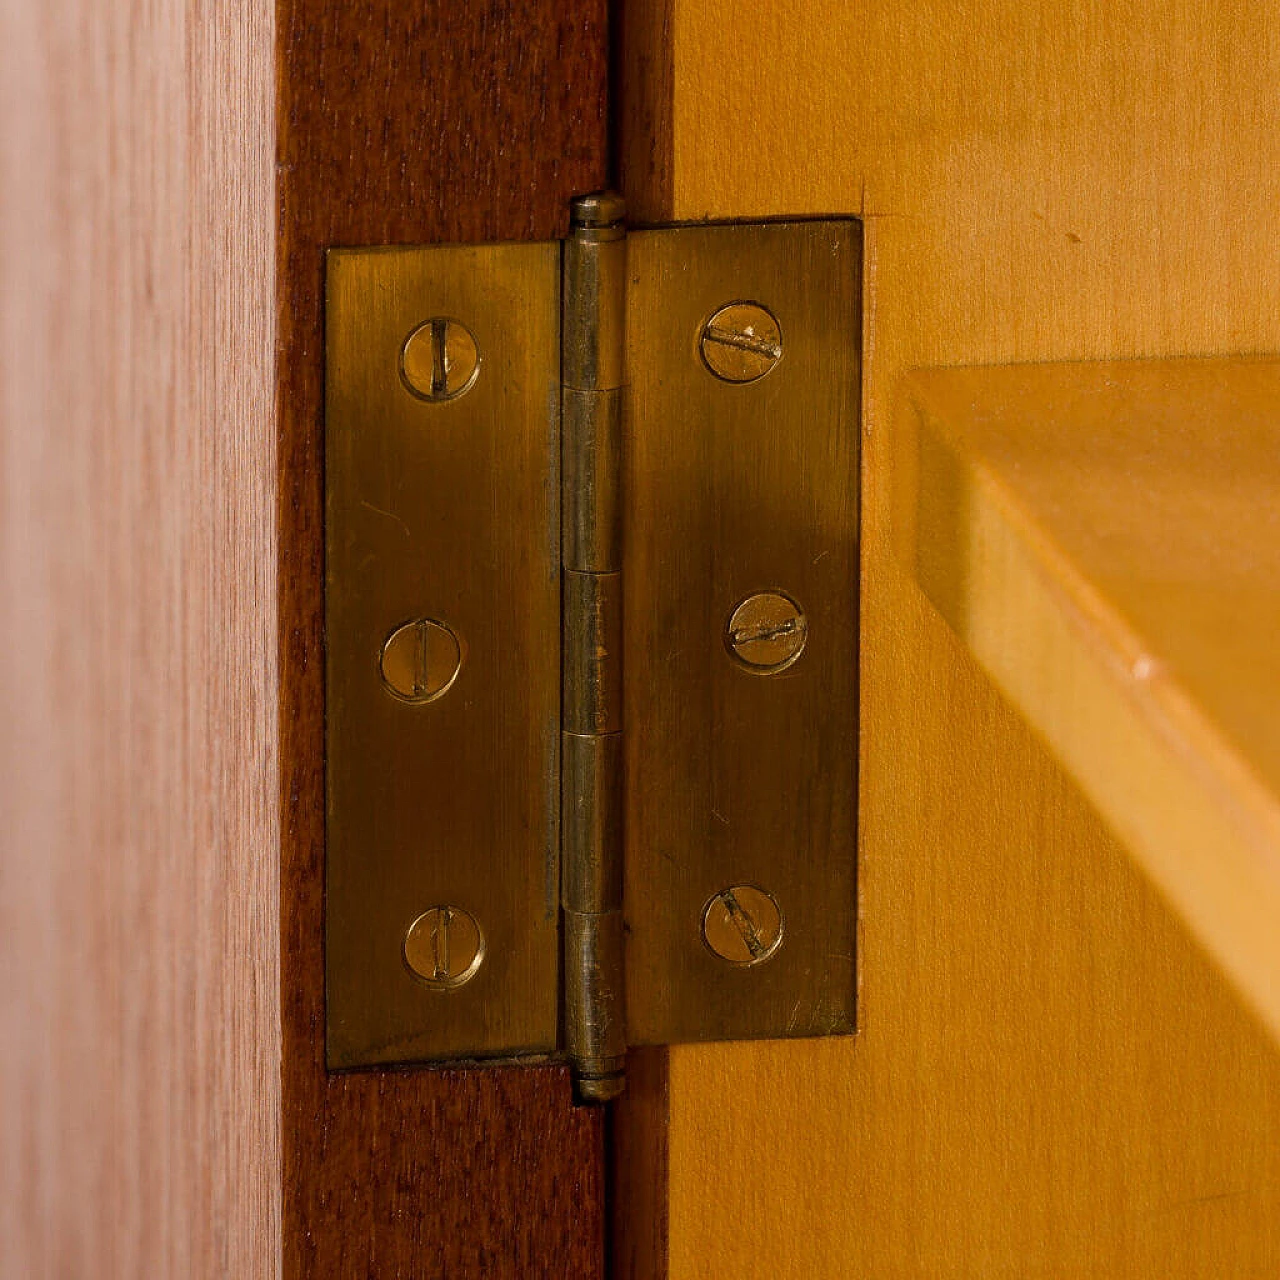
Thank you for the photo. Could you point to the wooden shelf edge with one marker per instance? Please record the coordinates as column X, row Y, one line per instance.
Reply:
column 1193, row 812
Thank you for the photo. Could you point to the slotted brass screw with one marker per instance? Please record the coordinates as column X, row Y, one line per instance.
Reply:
column 743, row 925
column 440, row 359
column 420, row 660
column 444, row 947
column 767, row 632
column 741, row 342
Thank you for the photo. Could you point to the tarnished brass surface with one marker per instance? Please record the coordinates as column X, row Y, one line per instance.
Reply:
column 593, row 662
column 595, row 280
column 766, row 632
column 593, row 362
column 591, row 820
column 594, row 1011
column 741, row 342
column 439, row 360
column 743, row 925
column 421, row 660
column 730, row 490
column 443, row 511
column 444, row 947
column 591, row 507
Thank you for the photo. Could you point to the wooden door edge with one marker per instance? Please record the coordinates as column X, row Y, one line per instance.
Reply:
column 642, row 84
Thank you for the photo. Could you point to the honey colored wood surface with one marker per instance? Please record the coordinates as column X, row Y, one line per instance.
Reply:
column 1051, row 1077
column 139, row 976
column 1106, row 540
column 411, row 124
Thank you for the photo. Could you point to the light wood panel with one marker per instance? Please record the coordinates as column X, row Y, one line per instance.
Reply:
column 139, row 1010
column 411, row 124
column 1050, row 1079
column 1103, row 537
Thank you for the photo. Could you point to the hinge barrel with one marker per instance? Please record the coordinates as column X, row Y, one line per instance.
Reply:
column 592, row 374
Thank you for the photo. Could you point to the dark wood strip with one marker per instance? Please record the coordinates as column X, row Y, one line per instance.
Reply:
column 638, row 1170
column 642, row 82
column 407, row 123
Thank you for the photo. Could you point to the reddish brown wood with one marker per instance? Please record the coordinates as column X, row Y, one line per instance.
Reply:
column 409, row 123
column 642, row 83
column 638, row 1166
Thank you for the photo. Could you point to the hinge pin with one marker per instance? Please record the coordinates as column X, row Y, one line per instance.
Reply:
column 591, row 716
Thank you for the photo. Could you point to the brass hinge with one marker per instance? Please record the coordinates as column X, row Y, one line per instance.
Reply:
column 539, row 458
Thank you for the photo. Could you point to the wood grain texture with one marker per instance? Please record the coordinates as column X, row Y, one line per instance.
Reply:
column 139, row 1015
column 1051, row 1079
column 405, row 124
column 1103, row 538
column 643, row 84
column 639, row 1174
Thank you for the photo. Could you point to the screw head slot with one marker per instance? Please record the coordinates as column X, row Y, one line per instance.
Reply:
column 444, row 947
column 420, row 660
column 766, row 633
column 743, row 925
column 741, row 342
column 440, row 360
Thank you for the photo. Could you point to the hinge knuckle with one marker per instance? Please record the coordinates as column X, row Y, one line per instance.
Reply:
column 592, row 689
column 591, row 499
column 592, row 374
column 595, row 278
column 591, row 814
column 595, row 1021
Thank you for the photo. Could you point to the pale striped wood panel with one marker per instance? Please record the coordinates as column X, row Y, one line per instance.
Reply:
column 139, row 1006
